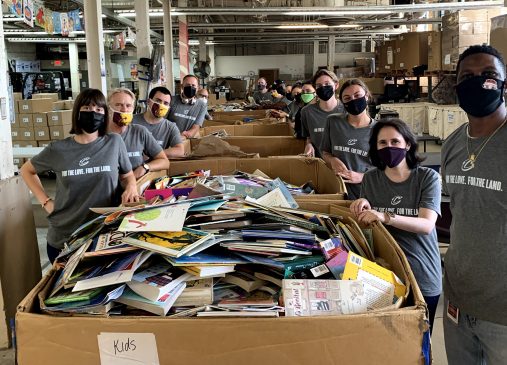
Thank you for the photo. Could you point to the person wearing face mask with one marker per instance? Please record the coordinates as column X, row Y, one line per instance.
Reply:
column 261, row 95
column 279, row 93
column 307, row 96
column 290, row 110
column 88, row 167
column 153, row 119
column 313, row 116
column 138, row 140
column 204, row 96
column 474, row 175
column 345, row 142
column 405, row 197
column 186, row 110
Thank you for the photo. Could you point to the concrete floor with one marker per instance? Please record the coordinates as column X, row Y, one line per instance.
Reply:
column 7, row 356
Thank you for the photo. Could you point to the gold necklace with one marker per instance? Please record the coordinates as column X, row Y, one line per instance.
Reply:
column 472, row 157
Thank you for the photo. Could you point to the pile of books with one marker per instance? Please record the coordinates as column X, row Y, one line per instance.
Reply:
column 210, row 253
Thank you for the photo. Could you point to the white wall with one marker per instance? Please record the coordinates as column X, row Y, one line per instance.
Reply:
column 240, row 65
column 6, row 162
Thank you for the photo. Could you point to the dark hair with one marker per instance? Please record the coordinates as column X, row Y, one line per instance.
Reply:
column 87, row 97
column 484, row 48
column 413, row 159
column 325, row 72
column 159, row 89
column 358, row 82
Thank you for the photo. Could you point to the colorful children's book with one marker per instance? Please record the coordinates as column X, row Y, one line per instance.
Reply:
column 168, row 218
column 159, row 307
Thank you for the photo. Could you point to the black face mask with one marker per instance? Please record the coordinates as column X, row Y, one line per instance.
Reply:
column 189, row 91
column 91, row 121
column 280, row 90
column 356, row 106
column 480, row 96
column 289, row 97
column 325, row 92
column 261, row 86
column 297, row 98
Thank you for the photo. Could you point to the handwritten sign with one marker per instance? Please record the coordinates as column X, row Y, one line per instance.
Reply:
column 128, row 348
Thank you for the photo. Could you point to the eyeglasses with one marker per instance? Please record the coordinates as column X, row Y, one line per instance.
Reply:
column 158, row 101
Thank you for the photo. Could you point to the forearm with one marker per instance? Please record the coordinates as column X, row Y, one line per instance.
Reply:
column 417, row 225
column 33, row 182
column 128, row 180
column 175, row 151
column 193, row 131
column 159, row 162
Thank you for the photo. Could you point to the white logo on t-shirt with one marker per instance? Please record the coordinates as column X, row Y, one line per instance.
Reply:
column 352, row 142
column 84, row 161
column 186, row 111
column 467, row 165
column 396, row 200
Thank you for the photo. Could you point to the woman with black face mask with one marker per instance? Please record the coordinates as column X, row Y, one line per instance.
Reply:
column 345, row 142
column 313, row 116
column 406, row 198
column 89, row 167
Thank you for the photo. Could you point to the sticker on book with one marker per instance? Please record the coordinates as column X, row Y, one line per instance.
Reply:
column 127, row 348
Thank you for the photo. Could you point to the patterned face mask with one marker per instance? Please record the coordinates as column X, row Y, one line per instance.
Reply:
column 122, row 118
column 159, row 110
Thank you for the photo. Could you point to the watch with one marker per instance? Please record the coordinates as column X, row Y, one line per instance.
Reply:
column 388, row 216
column 146, row 167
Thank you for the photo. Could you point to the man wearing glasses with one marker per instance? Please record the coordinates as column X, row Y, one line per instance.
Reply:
column 204, row 96
column 186, row 110
column 165, row 132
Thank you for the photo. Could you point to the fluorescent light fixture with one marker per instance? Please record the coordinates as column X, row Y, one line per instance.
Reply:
column 152, row 14
column 11, row 19
column 345, row 26
column 195, row 42
column 338, row 13
column 301, row 26
column 103, row 16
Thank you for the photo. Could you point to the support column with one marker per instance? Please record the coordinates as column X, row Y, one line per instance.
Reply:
column 143, row 42
column 211, row 50
column 331, row 46
column 315, row 57
column 183, row 41
column 168, row 45
column 95, row 45
column 6, row 162
column 74, row 69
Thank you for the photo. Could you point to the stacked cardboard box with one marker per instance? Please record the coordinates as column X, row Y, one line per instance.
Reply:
column 411, row 50
column 435, row 51
column 498, row 34
column 386, row 56
column 463, row 29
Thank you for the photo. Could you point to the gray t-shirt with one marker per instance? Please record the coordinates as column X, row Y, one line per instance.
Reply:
column 187, row 115
column 349, row 144
column 165, row 133
column 258, row 97
column 475, row 264
column 313, row 120
column 139, row 142
column 292, row 109
column 87, row 175
column 420, row 190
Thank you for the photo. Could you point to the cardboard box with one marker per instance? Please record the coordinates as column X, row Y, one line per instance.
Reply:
column 25, row 120
column 375, row 84
column 386, row 56
column 35, row 105
column 52, row 96
column 412, row 50
column 498, row 35
column 40, row 119
column 15, row 121
column 43, row 143
column 62, row 117
column 434, row 51
column 240, row 114
column 17, row 96
column 389, row 336
column 22, row 134
column 25, row 144
column 59, row 105
column 41, row 133
column 264, row 146
column 280, row 129
column 59, row 132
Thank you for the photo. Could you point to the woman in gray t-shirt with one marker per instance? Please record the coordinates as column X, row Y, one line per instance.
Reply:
column 89, row 167
column 406, row 198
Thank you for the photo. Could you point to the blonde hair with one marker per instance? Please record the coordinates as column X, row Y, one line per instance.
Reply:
column 121, row 90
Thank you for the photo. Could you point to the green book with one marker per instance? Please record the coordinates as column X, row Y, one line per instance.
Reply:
column 69, row 296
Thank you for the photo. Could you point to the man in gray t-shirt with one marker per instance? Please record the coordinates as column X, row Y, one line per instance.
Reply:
column 348, row 144
column 187, row 111
column 153, row 119
column 420, row 190
column 313, row 120
column 78, row 167
column 262, row 95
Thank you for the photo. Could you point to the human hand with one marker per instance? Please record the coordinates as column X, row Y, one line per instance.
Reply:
column 351, row 177
column 309, row 150
column 50, row 206
column 130, row 194
column 186, row 134
column 359, row 205
column 369, row 216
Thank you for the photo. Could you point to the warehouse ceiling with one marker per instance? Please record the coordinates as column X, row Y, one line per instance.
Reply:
column 250, row 21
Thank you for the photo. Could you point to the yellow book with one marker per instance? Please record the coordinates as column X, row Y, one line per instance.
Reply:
column 382, row 286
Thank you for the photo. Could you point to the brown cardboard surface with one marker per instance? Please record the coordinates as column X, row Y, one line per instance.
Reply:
column 40, row 119
column 262, row 113
column 62, row 117
column 15, row 121
column 280, row 129
column 35, row 105
column 412, row 50
column 59, row 105
column 294, row 170
column 498, row 36
column 25, row 120
column 218, row 122
column 434, row 51
column 19, row 254
column 52, row 96
column 24, row 144
column 22, row 134
column 59, row 131
column 41, row 133
column 43, row 143
column 380, row 337
column 386, row 56
column 265, row 146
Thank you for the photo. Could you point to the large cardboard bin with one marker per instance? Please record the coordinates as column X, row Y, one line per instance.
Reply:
column 388, row 336
column 279, row 129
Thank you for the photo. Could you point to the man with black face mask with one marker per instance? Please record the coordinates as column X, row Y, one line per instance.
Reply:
column 261, row 94
column 187, row 111
column 474, row 175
